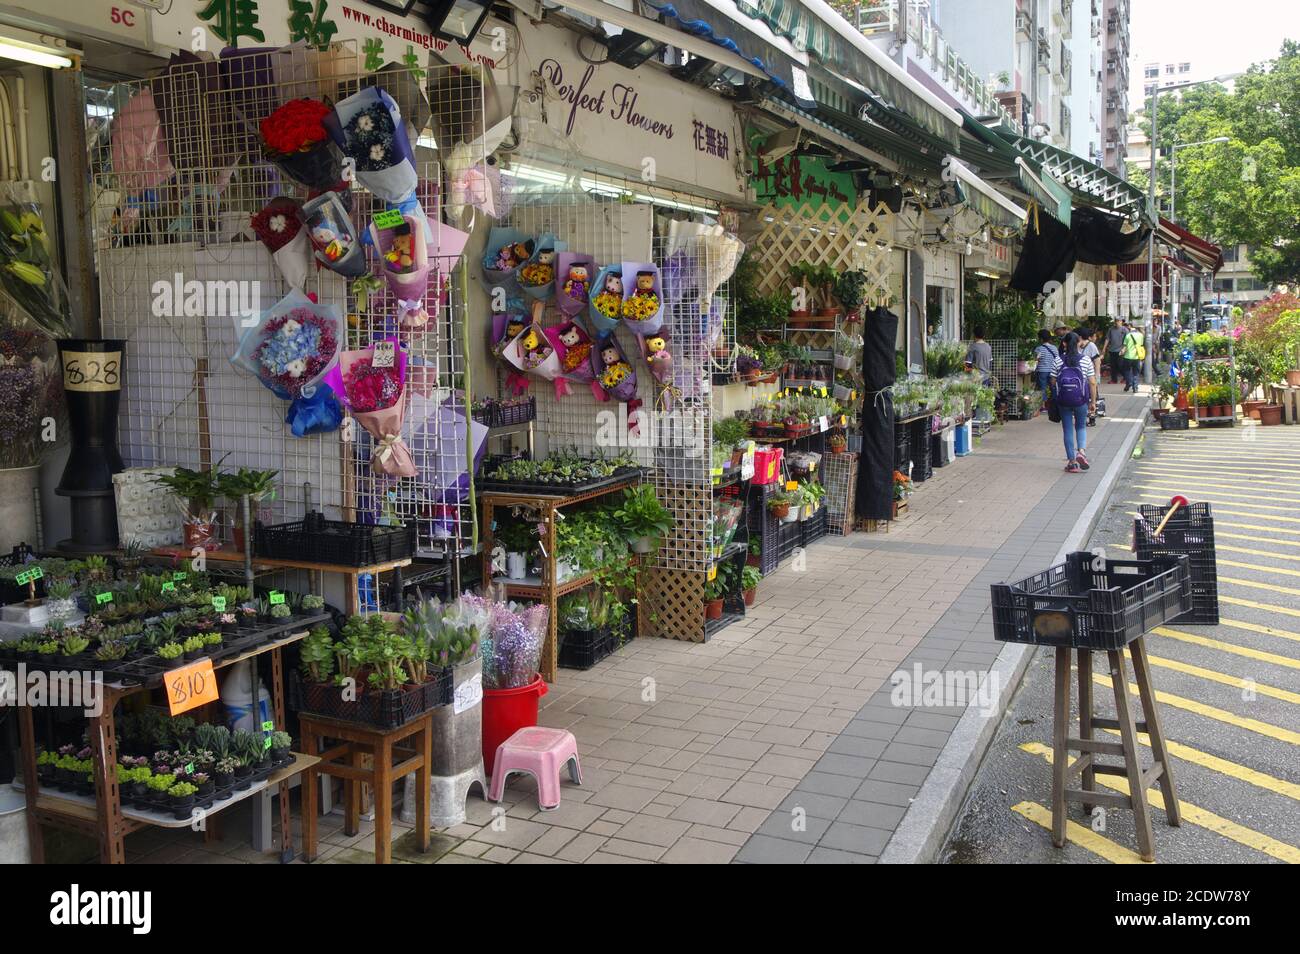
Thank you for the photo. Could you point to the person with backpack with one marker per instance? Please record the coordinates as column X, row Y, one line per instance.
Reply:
column 1134, row 353
column 1088, row 348
column 1045, row 354
column 1074, row 386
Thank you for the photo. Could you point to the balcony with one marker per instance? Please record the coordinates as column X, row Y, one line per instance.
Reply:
column 1044, row 51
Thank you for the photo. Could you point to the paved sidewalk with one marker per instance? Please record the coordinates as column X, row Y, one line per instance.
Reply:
column 703, row 752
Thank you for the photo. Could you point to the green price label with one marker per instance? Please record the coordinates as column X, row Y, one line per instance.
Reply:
column 35, row 573
column 169, row 587
column 276, row 597
column 102, row 598
column 268, row 726
column 179, row 575
column 22, row 579
column 189, row 768
column 389, row 219
column 219, row 604
column 266, row 744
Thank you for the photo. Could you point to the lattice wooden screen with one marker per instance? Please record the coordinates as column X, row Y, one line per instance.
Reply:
column 856, row 238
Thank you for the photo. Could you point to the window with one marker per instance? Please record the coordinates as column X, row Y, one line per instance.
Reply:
column 1152, row 72
column 1169, row 70
column 1184, row 67
column 1223, row 284
column 1230, row 254
column 1251, row 284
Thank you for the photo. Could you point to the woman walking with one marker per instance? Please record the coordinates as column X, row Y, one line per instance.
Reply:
column 1075, row 388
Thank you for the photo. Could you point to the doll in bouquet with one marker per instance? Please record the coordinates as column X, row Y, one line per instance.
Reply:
column 609, row 300
column 576, row 345
column 511, row 255
column 614, row 369
column 577, row 286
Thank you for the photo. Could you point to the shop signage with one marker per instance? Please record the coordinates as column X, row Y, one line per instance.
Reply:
column 642, row 120
column 795, row 180
column 119, row 21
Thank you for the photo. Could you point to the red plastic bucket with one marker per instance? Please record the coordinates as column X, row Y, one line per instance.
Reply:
column 505, row 712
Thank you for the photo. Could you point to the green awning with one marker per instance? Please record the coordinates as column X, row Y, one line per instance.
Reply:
column 1088, row 183
column 1052, row 197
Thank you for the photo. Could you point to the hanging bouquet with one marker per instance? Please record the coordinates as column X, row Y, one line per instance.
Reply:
column 537, row 274
column 606, row 306
column 643, row 306
column 573, row 345
column 332, row 235
column 615, row 378
column 369, row 129
column 27, row 274
column 371, row 383
column 295, row 139
column 512, row 649
column 31, row 391
column 404, row 254
column 279, row 228
column 532, row 352
column 574, row 274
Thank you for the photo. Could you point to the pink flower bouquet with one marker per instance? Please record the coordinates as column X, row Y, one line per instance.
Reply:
column 374, row 391
column 403, row 253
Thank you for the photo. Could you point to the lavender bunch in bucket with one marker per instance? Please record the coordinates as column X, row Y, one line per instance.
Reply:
column 512, row 649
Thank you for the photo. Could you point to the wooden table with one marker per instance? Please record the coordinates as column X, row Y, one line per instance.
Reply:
column 345, row 760
column 106, row 821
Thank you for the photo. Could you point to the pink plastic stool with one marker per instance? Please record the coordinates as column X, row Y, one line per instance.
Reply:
column 541, row 752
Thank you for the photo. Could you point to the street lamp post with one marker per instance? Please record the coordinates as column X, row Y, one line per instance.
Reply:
column 1156, row 90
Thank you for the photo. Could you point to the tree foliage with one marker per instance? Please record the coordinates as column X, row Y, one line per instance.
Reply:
column 1246, row 190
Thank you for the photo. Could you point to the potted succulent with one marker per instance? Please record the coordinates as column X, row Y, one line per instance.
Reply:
column 197, row 491
column 837, row 442
column 182, row 795
column 59, row 599
column 256, row 485
column 749, row 580
column 224, row 772
column 642, row 518
column 280, row 743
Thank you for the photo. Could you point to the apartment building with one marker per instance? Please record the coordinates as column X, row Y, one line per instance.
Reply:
column 1115, row 83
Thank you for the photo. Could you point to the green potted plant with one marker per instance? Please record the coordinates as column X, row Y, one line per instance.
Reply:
column 197, row 490
column 825, row 278
column 749, row 580
column 59, row 599
column 779, row 505
column 714, row 591
column 803, row 275
column 642, row 518
column 256, row 485
column 182, row 799
column 518, row 539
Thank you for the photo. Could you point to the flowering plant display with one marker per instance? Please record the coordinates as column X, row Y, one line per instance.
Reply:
column 27, row 274
column 374, row 391
column 512, row 647
column 295, row 139
column 368, row 128
column 31, row 390
column 279, row 227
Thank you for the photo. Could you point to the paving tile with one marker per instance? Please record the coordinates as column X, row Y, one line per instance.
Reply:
column 699, row 851
column 765, row 850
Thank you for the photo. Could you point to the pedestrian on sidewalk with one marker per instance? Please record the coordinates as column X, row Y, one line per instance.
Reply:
column 979, row 356
column 1045, row 354
column 1075, row 387
column 1088, row 348
column 1134, row 351
column 1114, row 349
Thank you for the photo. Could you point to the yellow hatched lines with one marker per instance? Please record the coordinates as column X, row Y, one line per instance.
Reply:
column 1239, row 513
column 1245, row 651
column 1235, row 500
column 1257, row 568
column 1264, row 553
column 1216, row 482
column 1256, row 628
column 1228, row 523
column 1218, row 475
column 1266, row 607
column 1213, row 712
column 1236, row 682
column 1253, row 584
column 1079, row 835
column 1213, row 763
column 1199, row 491
column 1190, row 813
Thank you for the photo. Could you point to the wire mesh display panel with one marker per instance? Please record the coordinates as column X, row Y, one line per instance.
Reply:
column 840, row 473
column 178, row 171
column 601, row 217
column 1006, row 361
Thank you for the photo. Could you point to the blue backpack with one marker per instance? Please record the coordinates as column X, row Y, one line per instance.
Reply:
column 1071, row 385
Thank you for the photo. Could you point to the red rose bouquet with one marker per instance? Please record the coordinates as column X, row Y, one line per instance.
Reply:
column 295, row 139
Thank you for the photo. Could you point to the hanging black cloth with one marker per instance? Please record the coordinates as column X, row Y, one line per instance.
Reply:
column 875, row 490
column 1047, row 255
column 1099, row 241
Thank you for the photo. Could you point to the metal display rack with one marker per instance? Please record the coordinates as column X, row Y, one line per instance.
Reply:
column 1231, row 360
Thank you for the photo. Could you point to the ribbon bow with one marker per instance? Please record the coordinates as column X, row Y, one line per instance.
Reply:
column 385, row 448
column 470, row 186
column 411, row 313
column 667, row 394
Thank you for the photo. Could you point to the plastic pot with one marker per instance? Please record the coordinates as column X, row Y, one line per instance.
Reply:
column 750, row 594
column 1270, row 414
column 713, row 609
column 643, row 544
column 1293, row 377
column 505, row 712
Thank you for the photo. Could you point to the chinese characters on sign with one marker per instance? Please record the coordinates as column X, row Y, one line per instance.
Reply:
column 798, row 180
column 713, row 142
column 231, row 19
column 308, row 23
column 308, row 20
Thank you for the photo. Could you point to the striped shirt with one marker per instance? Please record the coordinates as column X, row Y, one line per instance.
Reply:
column 1085, row 365
column 1045, row 354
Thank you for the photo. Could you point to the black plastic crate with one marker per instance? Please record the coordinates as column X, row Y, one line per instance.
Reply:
column 902, row 447
column 789, row 537
column 1089, row 602
column 920, row 444
column 814, row 528
column 495, row 415
column 385, row 709
column 583, row 648
column 763, row 526
column 1174, row 421
column 1189, row 533
column 317, row 540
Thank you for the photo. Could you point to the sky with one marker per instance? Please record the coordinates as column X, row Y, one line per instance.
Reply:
column 1215, row 37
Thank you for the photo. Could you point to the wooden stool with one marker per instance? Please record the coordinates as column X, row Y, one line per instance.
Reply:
column 1127, row 747
column 344, row 760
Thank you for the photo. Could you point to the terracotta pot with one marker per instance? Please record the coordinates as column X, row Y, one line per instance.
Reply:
column 838, row 447
column 1270, row 414
column 780, row 511
column 800, row 314
column 713, row 609
column 1251, row 408
column 827, row 312
column 1293, row 377
column 750, row 594
column 1222, row 410
column 1180, row 401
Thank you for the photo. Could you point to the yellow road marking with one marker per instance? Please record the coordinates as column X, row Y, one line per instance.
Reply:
column 1191, row 813
column 1173, row 489
column 1267, row 607
column 1233, row 503
column 1228, row 477
column 1257, row 654
column 1289, row 590
column 1223, row 481
column 1236, row 682
column 1245, row 513
column 1212, row 712
column 1256, row 628
column 1228, row 523
column 1258, row 568
column 1080, row 835
column 1264, row 553
column 1213, row 763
